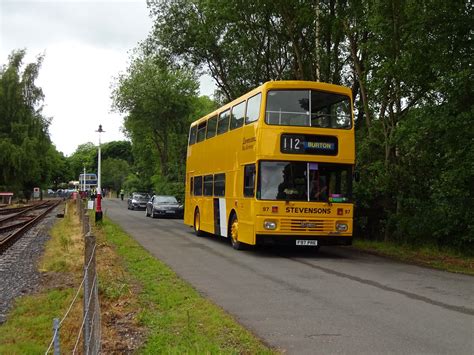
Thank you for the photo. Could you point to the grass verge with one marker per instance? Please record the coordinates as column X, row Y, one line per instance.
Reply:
column 145, row 307
column 177, row 318
column 424, row 256
column 28, row 329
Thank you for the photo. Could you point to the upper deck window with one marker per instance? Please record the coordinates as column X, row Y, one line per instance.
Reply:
column 253, row 108
column 201, row 131
column 238, row 114
column 192, row 135
column 308, row 108
column 211, row 127
column 223, row 122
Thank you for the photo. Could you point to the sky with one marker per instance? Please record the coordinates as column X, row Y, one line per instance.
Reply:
column 86, row 45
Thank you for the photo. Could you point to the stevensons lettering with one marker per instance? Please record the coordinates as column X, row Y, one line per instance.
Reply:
column 308, row 210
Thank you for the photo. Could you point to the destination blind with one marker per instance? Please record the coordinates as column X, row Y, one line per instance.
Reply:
column 308, row 144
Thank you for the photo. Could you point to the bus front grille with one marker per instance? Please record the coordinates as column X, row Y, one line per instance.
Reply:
column 306, row 225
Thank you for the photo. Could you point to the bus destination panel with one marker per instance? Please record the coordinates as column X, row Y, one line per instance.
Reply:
column 308, row 144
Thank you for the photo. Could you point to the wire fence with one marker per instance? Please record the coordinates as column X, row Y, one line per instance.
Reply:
column 90, row 330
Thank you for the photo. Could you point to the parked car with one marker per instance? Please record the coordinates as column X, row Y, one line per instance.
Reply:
column 164, row 206
column 137, row 201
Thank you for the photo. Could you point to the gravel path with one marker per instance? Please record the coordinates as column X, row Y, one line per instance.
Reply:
column 18, row 265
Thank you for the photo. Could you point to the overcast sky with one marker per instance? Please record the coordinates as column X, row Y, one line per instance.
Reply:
column 86, row 43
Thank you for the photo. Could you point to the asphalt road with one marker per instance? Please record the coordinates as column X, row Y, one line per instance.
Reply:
column 338, row 300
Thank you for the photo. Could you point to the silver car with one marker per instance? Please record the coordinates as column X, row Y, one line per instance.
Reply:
column 137, row 201
column 164, row 206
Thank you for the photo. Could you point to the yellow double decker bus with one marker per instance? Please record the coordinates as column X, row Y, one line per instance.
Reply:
column 274, row 166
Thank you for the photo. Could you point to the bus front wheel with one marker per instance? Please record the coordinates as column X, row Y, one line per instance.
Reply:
column 234, row 233
column 197, row 223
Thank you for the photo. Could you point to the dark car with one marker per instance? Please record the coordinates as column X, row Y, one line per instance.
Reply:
column 137, row 201
column 164, row 206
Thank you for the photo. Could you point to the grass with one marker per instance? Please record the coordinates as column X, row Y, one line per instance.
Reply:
column 177, row 318
column 145, row 307
column 28, row 329
column 29, row 326
column 424, row 256
column 64, row 251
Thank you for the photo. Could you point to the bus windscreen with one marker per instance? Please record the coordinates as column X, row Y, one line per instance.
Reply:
column 288, row 180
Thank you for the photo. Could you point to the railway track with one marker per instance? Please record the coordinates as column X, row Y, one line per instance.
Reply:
column 20, row 220
column 5, row 210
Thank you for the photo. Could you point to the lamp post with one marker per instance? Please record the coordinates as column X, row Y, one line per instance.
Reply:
column 98, row 210
column 84, row 183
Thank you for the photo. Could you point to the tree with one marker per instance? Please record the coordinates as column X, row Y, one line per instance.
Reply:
column 114, row 172
column 243, row 44
column 416, row 57
column 118, row 150
column 27, row 156
column 85, row 156
column 158, row 100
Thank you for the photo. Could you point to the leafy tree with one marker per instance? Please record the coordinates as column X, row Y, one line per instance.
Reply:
column 158, row 100
column 85, row 156
column 114, row 172
column 243, row 44
column 417, row 60
column 117, row 150
column 27, row 156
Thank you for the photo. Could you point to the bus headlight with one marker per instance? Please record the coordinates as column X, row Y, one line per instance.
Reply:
column 270, row 225
column 341, row 226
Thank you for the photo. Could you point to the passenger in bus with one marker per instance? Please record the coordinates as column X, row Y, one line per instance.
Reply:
column 319, row 189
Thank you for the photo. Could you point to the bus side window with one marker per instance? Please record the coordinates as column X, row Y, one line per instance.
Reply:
column 191, row 186
column 211, row 127
column 253, row 108
column 192, row 135
column 208, row 181
column 198, row 186
column 201, row 131
column 249, row 180
column 219, row 185
column 223, row 122
column 238, row 115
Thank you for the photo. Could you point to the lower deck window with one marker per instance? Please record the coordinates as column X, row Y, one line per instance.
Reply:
column 208, row 181
column 197, row 185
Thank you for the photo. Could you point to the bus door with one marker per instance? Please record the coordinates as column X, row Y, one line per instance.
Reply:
column 207, row 214
column 245, row 212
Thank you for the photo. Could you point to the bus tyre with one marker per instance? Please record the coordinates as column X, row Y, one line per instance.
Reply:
column 197, row 223
column 234, row 233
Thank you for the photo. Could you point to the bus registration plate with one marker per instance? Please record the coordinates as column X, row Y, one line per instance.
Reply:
column 312, row 243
